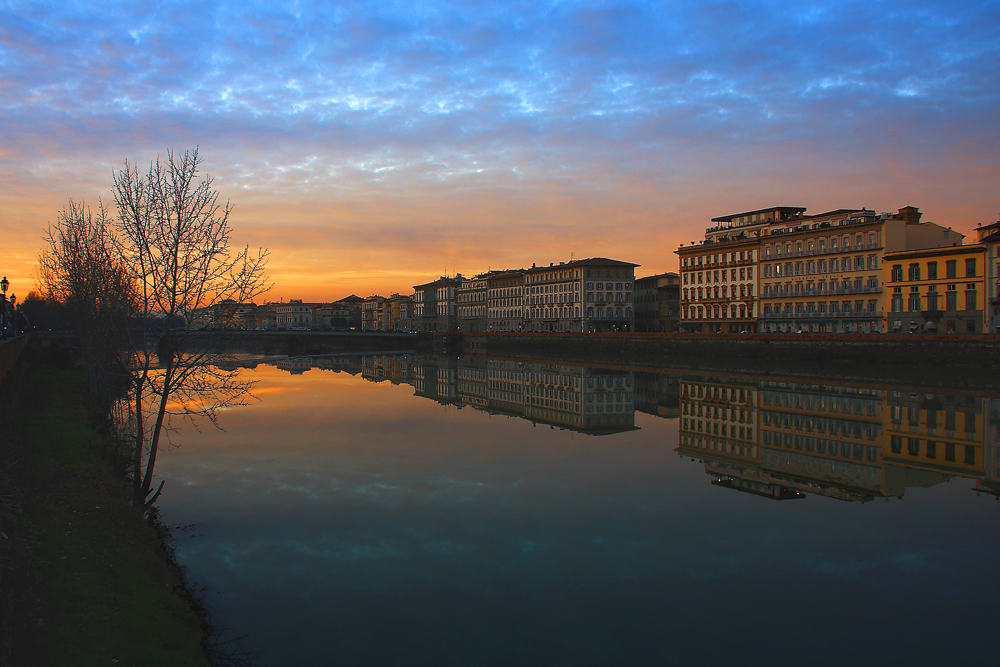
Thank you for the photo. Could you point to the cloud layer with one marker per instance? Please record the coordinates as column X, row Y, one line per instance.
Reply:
column 373, row 146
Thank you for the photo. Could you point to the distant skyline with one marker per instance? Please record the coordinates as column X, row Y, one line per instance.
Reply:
column 376, row 146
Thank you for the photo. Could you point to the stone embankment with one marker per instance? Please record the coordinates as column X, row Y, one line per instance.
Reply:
column 968, row 360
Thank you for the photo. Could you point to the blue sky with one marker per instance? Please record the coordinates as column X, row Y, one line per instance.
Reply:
column 374, row 145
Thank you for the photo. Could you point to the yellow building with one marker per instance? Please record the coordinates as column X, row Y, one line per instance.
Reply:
column 938, row 290
column 942, row 432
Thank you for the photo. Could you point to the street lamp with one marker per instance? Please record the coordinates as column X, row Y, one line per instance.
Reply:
column 4, row 284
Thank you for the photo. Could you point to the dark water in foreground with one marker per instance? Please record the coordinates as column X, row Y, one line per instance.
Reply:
column 398, row 511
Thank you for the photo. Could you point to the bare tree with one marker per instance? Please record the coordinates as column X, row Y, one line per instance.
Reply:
column 174, row 238
column 80, row 268
column 144, row 284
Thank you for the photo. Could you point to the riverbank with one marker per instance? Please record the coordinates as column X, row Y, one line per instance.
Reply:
column 86, row 581
column 924, row 360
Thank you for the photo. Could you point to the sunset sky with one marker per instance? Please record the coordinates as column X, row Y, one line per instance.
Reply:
column 375, row 146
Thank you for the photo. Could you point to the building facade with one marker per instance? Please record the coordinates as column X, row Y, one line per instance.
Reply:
column 472, row 304
column 718, row 286
column 435, row 304
column 371, row 313
column 939, row 290
column 294, row 314
column 657, row 303
column 586, row 295
column 804, row 273
column 505, row 301
column 397, row 313
column 989, row 236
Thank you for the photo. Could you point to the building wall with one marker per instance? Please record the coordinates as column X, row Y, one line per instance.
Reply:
column 826, row 279
column 472, row 304
column 719, row 287
column 936, row 291
column 657, row 303
column 505, row 301
column 940, row 432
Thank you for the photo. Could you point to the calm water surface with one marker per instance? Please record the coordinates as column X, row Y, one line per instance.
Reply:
column 405, row 511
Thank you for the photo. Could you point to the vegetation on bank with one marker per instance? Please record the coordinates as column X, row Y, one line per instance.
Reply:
column 86, row 578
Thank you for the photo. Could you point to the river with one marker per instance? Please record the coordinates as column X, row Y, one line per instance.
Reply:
column 403, row 510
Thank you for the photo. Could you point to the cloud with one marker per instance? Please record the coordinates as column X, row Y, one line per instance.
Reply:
column 562, row 108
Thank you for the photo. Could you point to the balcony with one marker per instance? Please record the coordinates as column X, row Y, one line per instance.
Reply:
column 815, row 292
column 865, row 315
column 825, row 251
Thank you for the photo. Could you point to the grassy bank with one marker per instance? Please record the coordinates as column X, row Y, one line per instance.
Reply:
column 88, row 581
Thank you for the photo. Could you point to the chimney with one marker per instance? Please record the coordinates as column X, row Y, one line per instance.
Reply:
column 911, row 214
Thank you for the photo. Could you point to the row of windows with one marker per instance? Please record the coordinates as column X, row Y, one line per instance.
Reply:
column 913, row 271
column 746, row 291
column 847, row 450
column 931, row 449
column 932, row 300
column 814, row 266
column 741, row 432
column 931, row 418
column 833, row 244
column 821, row 424
column 719, row 258
column 727, row 393
column 717, row 312
column 715, row 412
column 826, row 403
column 821, row 287
column 714, row 276
column 832, row 308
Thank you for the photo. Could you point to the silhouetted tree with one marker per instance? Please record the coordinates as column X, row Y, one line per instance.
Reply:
column 147, row 281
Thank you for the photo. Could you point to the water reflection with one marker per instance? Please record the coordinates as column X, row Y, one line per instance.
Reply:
column 397, row 509
column 783, row 439
column 773, row 438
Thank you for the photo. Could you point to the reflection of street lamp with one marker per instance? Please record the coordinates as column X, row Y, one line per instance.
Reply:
column 4, row 284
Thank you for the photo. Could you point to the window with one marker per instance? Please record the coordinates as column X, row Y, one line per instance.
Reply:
column 950, row 269
column 914, row 272
column 949, row 421
column 932, row 270
column 970, row 299
column 951, row 298
column 970, row 267
column 970, row 455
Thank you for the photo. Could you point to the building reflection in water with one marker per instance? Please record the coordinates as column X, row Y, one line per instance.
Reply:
column 785, row 439
column 777, row 439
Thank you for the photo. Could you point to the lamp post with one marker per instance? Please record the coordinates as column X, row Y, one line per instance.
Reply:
column 4, row 284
